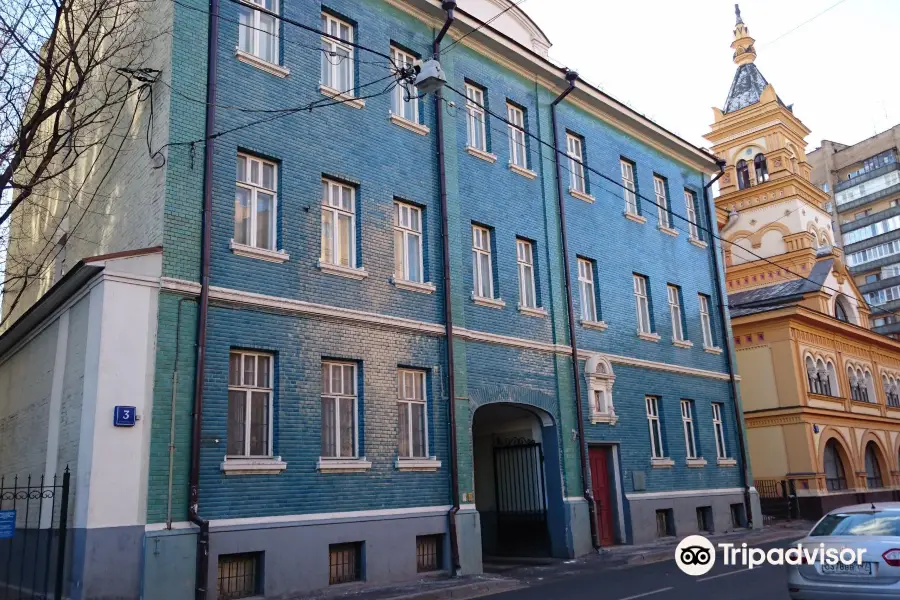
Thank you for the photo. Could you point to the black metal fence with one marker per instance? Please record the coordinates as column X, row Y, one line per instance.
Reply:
column 777, row 498
column 520, row 497
column 33, row 527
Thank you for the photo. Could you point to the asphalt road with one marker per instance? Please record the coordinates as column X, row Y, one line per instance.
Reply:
column 663, row 581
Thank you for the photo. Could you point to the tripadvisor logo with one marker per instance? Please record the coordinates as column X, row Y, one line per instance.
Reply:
column 695, row 555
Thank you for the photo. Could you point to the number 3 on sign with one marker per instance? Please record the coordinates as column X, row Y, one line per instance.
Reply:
column 124, row 416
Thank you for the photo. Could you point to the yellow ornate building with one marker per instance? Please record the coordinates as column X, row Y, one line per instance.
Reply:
column 819, row 388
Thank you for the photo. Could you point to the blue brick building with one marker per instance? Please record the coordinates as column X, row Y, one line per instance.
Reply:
column 398, row 334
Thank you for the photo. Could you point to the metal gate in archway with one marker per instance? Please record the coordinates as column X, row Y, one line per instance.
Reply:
column 521, row 498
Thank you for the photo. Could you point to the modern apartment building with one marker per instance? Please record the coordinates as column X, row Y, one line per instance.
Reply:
column 863, row 181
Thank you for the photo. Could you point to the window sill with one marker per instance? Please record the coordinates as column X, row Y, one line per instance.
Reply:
column 533, row 312
column 726, row 462
column 343, row 465
column 668, row 230
column 413, row 286
column 696, row 463
column 255, row 61
column 349, row 272
column 650, row 337
column 344, row 98
column 712, row 349
column 581, row 196
column 662, row 463
column 634, row 217
column 263, row 465
column 276, row 256
column 489, row 302
column 417, row 464
column 598, row 325
column 477, row 153
column 610, row 419
column 527, row 173
column 698, row 243
column 411, row 125
column 682, row 344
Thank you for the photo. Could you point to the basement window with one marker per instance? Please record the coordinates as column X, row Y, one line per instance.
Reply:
column 239, row 575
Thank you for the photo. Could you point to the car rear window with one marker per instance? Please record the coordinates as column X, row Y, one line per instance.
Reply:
column 859, row 523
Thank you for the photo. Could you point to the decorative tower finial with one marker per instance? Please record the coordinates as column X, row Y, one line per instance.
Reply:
column 744, row 52
column 737, row 11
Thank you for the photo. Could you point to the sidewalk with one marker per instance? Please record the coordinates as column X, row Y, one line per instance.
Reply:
column 504, row 575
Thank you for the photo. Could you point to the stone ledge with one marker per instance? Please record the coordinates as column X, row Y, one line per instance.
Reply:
column 276, row 256
column 668, row 230
column 726, row 462
column 636, row 218
column 682, row 344
column 483, row 155
column 712, row 349
column 347, row 99
column 255, row 61
column 581, row 196
column 413, row 286
column 527, row 173
column 488, row 302
column 343, row 465
column 417, row 464
column 236, row 465
column 696, row 463
column 697, row 242
column 610, row 419
column 340, row 271
column 597, row 325
column 662, row 463
column 533, row 312
column 650, row 337
column 410, row 125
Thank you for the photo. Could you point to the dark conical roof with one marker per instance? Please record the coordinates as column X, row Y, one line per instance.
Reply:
column 746, row 89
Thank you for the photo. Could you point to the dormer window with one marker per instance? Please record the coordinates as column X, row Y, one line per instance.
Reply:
column 600, row 378
column 762, row 171
column 743, row 174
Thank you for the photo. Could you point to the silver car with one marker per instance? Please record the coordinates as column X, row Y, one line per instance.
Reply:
column 872, row 527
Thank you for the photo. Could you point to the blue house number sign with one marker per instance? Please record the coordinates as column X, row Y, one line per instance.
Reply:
column 123, row 416
column 7, row 524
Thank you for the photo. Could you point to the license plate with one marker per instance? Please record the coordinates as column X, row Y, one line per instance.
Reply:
column 865, row 569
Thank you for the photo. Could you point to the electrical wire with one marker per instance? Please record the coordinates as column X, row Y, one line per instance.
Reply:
column 809, row 20
column 488, row 22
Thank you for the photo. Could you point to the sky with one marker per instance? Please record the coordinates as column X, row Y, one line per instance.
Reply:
column 672, row 60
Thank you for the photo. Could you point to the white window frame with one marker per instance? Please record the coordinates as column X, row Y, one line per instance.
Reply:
column 675, row 313
column 249, row 390
column 475, row 120
column 255, row 29
column 629, row 190
column 657, row 450
column 600, row 378
column 662, row 202
column 404, row 228
column 642, row 304
column 407, row 110
column 690, row 204
column 336, row 398
column 332, row 46
column 404, row 401
column 518, row 150
column 481, row 246
column 719, row 430
column 336, row 210
column 575, row 152
column 255, row 188
column 588, row 292
column 687, row 421
column 705, row 323
column 525, row 263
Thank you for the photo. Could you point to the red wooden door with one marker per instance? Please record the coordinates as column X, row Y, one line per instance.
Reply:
column 599, row 461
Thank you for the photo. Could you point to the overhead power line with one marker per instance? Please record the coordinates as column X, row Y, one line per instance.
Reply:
column 488, row 22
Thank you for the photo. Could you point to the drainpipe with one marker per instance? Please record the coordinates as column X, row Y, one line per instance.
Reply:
column 572, row 77
column 172, row 425
column 202, row 575
column 448, row 6
column 723, row 316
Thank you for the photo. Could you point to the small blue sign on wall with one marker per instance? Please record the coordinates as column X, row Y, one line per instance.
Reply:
column 124, row 416
column 7, row 524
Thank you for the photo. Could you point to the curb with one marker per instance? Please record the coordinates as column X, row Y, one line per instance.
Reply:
column 463, row 592
column 668, row 554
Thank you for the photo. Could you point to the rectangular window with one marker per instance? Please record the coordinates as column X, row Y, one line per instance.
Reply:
column 719, row 430
column 338, row 224
column 656, row 443
column 429, row 555
column 476, row 126
column 404, row 99
column 586, row 287
column 662, row 202
column 642, row 301
column 249, row 404
column 240, row 575
column 345, row 562
column 413, row 425
column 337, row 55
column 257, row 30
column 687, row 421
column 255, row 202
column 339, row 410
column 705, row 322
column 705, row 519
column 408, row 242
column 525, row 260
column 481, row 262
column 575, row 150
column 631, row 205
column 675, row 313
column 690, row 204
column 518, row 154
column 665, row 519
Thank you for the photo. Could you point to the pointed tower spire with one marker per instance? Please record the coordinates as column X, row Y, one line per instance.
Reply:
column 744, row 52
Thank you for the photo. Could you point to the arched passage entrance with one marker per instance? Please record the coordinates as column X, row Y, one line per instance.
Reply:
column 518, row 484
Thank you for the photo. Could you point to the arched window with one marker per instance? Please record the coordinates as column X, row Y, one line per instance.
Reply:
column 859, row 390
column 873, row 469
column 840, row 310
column 762, row 171
column 834, row 468
column 890, row 391
column 870, row 387
column 818, row 377
column 600, row 377
column 832, row 379
column 743, row 174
